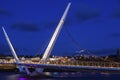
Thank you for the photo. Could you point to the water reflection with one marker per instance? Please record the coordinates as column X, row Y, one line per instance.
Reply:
column 105, row 74
column 63, row 76
column 22, row 79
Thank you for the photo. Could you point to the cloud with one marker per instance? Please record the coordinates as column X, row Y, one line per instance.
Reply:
column 116, row 13
column 85, row 12
column 5, row 13
column 4, row 48
column 48, row 24
column 82, row 16
column 52, row 24
column 30, row 27
column 104, row 51
column 68, row 22
column 115, row 35
column 118, row 1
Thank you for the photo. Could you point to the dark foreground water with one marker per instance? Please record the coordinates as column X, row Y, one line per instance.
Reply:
column 63, row 76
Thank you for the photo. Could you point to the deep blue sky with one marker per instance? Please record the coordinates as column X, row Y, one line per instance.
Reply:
column 90, row 24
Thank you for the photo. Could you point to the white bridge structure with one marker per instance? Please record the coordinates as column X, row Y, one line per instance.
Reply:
column 40, row 67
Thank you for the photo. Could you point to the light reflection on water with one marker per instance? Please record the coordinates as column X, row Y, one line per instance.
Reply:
column 63, row 76
column 22, row 78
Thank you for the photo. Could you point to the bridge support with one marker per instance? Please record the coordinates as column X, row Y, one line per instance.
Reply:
column 53, row 39
column 14, row 53
column 48, row 49
column 55, row 35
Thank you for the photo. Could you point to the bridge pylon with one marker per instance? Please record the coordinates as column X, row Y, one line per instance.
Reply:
column 14, row 53
column 54, row 37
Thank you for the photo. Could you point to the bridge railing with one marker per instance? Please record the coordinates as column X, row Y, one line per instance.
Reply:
column 86, row 63
column 72, row 63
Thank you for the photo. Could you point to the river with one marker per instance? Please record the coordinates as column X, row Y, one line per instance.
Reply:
column 63, row 76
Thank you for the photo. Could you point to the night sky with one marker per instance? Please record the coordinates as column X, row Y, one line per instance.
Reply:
column 90, row 24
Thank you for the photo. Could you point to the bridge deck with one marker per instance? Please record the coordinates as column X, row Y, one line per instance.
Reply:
column 80, row 65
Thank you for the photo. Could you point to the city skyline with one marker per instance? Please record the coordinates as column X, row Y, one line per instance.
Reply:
column 92, row 25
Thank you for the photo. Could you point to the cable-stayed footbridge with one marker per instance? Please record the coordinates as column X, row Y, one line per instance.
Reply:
column 41, row 65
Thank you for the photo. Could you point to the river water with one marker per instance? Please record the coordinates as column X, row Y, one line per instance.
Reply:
column 63, row 76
